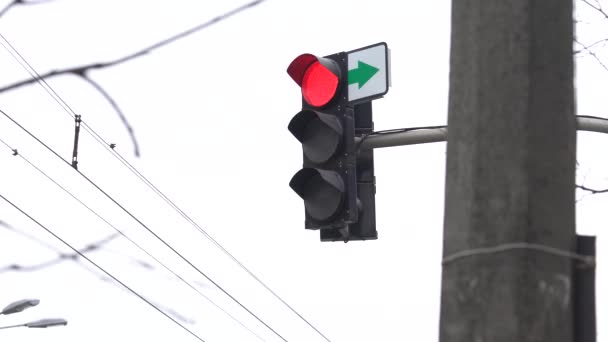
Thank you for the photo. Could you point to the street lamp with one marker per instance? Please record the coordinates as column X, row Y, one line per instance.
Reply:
column 19, row 306
column 42, row 323
column 23, row 304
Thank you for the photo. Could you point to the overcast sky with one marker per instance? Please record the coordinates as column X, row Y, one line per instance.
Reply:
column 210, row 114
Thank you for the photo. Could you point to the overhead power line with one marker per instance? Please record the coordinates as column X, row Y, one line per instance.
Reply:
column 118, row 231
column 88, row 248
column 42, row 82
column 215, row 242
column 40, row 79
column 101, row 268
column 144, row 225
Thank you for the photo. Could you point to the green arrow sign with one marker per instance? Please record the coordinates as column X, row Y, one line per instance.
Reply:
column 367, row 63
column 363, row 73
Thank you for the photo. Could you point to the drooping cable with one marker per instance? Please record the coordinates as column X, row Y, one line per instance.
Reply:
column 19, row 154
column 119, row 157
column 144, row 226
column 101, row 268
column 210, row 238
column 34, row 74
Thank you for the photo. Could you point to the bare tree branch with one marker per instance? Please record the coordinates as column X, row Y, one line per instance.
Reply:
column 597, row 8
column 82, row 70
column 186, row 33
column 32, row 2
column 20, row 2
column 592, row 54
column 598, row 42
column 592, row 191
column 76, row 258
column 61, row 256
column 30, row 237
column 117, row 109
column 176, row 314
column 91, row 247
column 590, row 46
column 8, row 7
column 71, row 256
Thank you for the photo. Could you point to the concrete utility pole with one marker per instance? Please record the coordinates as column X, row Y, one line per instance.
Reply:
column 509, row 212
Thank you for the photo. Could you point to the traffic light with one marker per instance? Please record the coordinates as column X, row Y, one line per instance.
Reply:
column 336, row 182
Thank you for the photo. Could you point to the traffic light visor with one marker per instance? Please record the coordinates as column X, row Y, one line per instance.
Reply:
column 319, row 78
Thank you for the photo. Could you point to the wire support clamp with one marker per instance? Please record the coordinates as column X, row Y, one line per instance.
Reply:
column 77, row 121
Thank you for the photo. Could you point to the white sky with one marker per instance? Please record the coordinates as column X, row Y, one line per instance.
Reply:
column 210, row 113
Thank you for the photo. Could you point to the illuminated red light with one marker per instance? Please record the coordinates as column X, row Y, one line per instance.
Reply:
column 319, row 85
column 318, row 77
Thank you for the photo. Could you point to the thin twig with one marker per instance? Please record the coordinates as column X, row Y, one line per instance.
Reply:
column 83, row 69
column 20, row 2
column 23, row 2
column 117, row 109
column 63, row 256
column 185, row 33
column 8, row 7
column 592, row 191
column 597, row 8
column 29, row 237
column 75, row 256
column 60, row 258
column 592, row 54
column 598, row 42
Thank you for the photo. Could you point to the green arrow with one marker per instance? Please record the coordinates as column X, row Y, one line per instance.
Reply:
column 361, row 74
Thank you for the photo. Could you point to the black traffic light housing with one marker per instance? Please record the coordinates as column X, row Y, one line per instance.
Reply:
column 337, row 181
column 365, row 227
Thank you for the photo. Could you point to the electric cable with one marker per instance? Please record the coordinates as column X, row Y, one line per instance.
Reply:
column 19, row 154
column 144, row 226
column 34, row 74
column 215, row 242
column 100, row 268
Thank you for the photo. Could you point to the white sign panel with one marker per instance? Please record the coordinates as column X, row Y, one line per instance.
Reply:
column 368, row 72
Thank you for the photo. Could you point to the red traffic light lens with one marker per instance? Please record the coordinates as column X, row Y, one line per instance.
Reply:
column 319, row 85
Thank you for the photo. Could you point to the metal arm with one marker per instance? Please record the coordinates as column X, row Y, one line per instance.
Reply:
column 422, row 136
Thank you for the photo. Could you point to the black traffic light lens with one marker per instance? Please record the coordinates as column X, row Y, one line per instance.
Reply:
column 320, row 134
column 322, row 192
